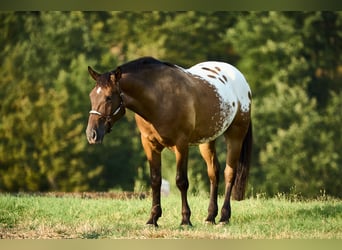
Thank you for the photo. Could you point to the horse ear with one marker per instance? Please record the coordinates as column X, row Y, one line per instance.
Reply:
column 118, row 74
column 93, row 73
column 115, row 76
column 112, row 78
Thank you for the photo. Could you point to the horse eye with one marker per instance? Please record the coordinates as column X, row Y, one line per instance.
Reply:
column 108, row 98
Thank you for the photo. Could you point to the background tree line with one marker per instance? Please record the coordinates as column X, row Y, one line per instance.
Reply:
column 292, row 61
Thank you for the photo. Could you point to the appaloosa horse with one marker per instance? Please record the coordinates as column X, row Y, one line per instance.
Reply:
column 177, row 107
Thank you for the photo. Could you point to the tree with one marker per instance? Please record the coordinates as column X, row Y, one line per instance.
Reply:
column 40, row 147
column 35, row 133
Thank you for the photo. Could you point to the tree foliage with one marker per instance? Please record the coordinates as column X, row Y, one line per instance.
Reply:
column 289, row 117
column 292, row 61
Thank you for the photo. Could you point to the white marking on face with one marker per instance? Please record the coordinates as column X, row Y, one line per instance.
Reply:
column 231, row 88
column 99, row 89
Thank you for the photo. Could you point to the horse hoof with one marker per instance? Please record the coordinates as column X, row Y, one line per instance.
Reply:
column 210, row 222
column 151, row 225
column 222, row 223
column 186, row 224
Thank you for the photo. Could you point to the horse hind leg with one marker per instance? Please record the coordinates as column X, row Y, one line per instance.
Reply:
column 209, row 155
column 234, row 139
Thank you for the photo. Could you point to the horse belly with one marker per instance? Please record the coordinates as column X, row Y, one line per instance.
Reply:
column 216, row 124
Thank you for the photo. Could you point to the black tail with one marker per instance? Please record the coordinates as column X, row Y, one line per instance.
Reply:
column 242, row 170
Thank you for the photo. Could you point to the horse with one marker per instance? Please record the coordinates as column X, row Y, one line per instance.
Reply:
column 175, row 108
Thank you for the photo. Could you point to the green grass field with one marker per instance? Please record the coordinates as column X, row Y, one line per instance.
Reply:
column 36, row 217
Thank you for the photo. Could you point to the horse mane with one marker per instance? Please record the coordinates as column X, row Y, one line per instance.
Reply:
column 131, row 66
column 142, row 63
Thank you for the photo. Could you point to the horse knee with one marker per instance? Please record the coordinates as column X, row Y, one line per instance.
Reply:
column 156, row 182
column 182, row 182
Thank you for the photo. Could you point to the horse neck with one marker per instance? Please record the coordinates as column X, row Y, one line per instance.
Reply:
column 138, row 96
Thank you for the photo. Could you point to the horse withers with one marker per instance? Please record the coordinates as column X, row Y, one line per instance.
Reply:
column 174, row 108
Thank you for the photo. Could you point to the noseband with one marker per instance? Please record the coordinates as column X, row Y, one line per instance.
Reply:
column 121, row 105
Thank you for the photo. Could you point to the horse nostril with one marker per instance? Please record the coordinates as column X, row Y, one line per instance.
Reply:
column 93, row 134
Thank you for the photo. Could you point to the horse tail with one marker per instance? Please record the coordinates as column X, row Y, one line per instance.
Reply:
column 243, row 166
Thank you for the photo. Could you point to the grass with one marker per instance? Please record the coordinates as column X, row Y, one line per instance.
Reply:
column 36, row 217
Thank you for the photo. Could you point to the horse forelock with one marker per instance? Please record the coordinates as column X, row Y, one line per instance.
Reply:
column 103, row 80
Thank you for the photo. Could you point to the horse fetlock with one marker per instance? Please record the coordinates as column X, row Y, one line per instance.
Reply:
column 186, row 217
column 212, row 210
column 153, row 220
column 210, row 219
column 186, row 222
column 156, row 213
column 224, row 219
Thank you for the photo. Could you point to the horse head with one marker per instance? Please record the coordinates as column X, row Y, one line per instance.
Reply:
column 106, row 104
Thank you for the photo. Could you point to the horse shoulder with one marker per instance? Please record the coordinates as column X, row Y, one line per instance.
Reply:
column 159, row 135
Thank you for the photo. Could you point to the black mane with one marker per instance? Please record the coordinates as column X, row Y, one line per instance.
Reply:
column 142, row 62
column 131, row 66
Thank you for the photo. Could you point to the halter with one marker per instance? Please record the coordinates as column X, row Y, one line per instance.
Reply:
column 94, row 112
column 121, row 105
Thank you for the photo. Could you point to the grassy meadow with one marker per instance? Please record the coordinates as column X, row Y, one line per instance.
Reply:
column 281, row 217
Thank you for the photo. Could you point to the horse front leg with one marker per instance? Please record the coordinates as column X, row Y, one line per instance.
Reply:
column 182, row 181
column 153, row 154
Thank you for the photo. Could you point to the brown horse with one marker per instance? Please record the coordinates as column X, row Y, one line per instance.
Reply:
column 174, row 108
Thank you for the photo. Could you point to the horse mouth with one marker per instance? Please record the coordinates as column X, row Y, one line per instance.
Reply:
column 91, row 141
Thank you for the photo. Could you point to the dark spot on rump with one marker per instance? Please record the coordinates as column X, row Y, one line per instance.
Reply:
column 222, row 80
column 233, row 104
column 249, row 95
column 212, row 76
column 211, row 70
column 225, row 78
column 218, row 68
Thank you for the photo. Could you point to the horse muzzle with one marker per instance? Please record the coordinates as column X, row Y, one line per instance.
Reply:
column 94, row 137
